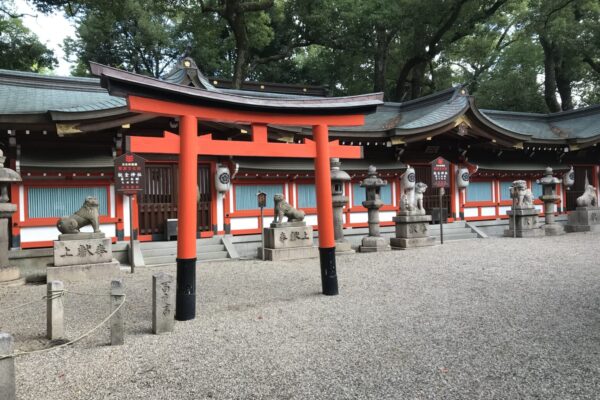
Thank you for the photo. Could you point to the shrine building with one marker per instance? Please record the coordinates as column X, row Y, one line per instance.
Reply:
column 62, row 134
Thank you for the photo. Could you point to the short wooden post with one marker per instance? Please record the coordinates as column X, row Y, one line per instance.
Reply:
column 7, row 368
column 55, row 326
column 117, row 330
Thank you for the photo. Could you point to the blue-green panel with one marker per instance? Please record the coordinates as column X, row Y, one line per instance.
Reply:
column 479, row 191
column 307, row 196
column 45, row 202
column 359, row 194
column 536, row 189
column 245, row 195
column 505, row 190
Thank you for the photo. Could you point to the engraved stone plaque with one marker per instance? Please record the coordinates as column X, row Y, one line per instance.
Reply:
column 86, row 251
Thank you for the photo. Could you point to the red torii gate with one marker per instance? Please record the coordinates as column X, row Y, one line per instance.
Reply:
column 142, row 93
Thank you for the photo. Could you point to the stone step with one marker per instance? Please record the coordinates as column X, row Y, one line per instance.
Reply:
column 170, row 259
column 456, row 236
column 173, row 243
column 201, row 248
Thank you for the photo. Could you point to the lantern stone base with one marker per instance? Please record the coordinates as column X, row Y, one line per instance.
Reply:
column 526, row 223
column 84, row 272
column 411, row 231
column 553, row 229
column 289, row 241
column 584, row 219
column 11, row 276
column 372, row 244
column 343, row 248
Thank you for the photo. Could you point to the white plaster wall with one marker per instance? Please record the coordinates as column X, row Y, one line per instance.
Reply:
column 113, row 203
column 502, row 210
column 45, row 233
column 540, row 208
column 488, row 211
column 21, row 203
column 471, row 212
column 356, row 218
column 244, row 223
column 126, row 227
column 385, row 216
column 311, row 220
column 220, row 213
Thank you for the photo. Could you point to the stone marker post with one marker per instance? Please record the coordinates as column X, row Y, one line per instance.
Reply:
column 7, row 368
column 55, row 326
column 117, row 330
column 163, row 303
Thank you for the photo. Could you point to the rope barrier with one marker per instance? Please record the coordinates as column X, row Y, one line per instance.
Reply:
column 86, row 334
column 55, row 295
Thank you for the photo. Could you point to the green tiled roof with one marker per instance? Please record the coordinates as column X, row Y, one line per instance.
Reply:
column 29, row 93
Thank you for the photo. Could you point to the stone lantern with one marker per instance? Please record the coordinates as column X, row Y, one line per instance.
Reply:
column 338, row 177
column 372, row 184
column 549, row 197
column 8, row 275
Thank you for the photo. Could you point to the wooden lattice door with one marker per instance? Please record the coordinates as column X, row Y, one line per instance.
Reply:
column 431, row 199
column 158, row 202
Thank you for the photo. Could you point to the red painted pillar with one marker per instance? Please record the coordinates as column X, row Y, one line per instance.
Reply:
column 325, row 211
column 185, row 308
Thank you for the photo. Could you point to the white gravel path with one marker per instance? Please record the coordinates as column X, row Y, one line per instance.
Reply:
column 497, row 318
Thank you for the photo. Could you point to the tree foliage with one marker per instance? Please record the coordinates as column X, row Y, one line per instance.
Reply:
column 20, row 48
column 527, row 55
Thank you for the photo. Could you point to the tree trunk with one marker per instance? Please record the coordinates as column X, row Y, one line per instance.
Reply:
column 381, row 54
column 401, row 87
column 416, row 82
column 563, row 84
column 549, row 75
column 238, row 25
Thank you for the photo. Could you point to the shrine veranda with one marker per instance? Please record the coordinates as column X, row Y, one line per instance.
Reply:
column 470, row 319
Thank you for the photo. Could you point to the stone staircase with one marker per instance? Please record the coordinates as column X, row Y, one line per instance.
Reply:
column 453, row 231
column 160, row 253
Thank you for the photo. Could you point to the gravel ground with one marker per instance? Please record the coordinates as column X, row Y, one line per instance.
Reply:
column 497, row 318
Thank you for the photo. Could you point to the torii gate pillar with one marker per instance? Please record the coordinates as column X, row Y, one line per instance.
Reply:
column 325, row 211
column 185, row 308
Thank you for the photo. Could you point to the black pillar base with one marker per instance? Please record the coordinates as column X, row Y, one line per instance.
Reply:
column 185, row 301
column 328, row 271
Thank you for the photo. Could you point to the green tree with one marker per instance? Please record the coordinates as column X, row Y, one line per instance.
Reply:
column 138, row 36
column 20, row 48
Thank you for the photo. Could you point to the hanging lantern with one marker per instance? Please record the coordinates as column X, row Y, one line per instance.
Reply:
column 222, row 178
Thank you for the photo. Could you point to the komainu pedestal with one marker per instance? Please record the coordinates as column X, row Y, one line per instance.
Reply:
column 411, row 231
column 523, row 216
column 289, row 241
column 81, row 256
column 88, row 258
column 584, row 219
column 412, row 223
column 526, row 222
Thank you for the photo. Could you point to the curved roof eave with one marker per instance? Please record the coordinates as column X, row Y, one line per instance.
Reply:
column 57, row 115
column 490, row 124
column 124, row 83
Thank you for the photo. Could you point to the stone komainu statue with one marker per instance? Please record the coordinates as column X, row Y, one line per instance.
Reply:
column 522, row 194
column 86, row 215
column 282, row 208
column 588, row 198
